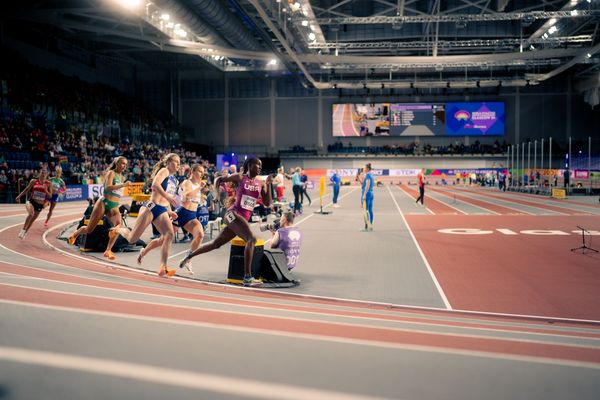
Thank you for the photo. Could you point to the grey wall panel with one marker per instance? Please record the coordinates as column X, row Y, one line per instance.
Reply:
column 206, row 117
column 296, row 122
column 249, row 122
column 543, row 116
column 585, row 121
column 260, row 122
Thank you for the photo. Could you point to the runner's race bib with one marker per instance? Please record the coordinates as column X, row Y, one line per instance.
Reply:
column 39, row 196
column 248, row 202
column 229, row 217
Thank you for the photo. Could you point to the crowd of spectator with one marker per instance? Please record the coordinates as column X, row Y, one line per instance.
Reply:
column 49, row 120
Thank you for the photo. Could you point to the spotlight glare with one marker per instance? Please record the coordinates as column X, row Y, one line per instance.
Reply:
column 129, row 4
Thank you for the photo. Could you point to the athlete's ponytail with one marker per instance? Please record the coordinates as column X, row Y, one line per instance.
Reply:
column 162, row 163
column 115, row 161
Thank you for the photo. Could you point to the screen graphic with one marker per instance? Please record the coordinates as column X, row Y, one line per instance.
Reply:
column 418, row 119
column 466, row 119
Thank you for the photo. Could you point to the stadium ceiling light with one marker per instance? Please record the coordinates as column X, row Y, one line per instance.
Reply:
column 165, row 17
column 273, row 61
column 574, row 13
column 129, row 3
column 304, row 22
column 588, row 55
column 312, row 36
column 552, row 29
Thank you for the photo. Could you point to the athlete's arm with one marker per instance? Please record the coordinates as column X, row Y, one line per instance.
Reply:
column 110, row 176
column 31, row 182
column 157, row 186
column 265, row 192
column 235, row 178
column 367, row 186
column 186, row 192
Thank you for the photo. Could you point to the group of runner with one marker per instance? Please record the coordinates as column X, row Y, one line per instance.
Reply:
column 45, row 192
column 171, row 205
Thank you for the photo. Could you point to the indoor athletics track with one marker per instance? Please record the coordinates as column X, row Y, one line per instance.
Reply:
column 476, row 295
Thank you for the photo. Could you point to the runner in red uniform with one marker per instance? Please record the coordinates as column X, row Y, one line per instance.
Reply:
column 40, row 189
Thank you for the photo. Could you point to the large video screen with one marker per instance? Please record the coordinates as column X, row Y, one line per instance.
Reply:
column 466, row 119
column 418, row 119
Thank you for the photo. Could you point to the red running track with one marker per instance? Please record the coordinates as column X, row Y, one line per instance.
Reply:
column 520, row 273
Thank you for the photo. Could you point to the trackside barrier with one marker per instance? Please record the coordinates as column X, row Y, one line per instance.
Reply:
column 559, row 193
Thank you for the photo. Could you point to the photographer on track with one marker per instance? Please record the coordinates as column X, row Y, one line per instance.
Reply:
column 286, row 237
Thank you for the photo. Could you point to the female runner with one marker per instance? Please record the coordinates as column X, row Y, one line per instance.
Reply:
column 58, row 187
column 249, row 188
column 40, row 189
column 158, row 210
column 108, row 204
column 191, row 197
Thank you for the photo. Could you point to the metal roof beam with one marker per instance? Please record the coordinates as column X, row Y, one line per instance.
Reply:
column 449, row 43
column 443, row 18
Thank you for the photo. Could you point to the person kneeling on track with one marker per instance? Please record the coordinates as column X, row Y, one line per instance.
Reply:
column 288, row 238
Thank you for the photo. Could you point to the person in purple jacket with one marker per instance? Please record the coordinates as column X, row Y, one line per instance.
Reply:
column 249, row 189
column 288, row 238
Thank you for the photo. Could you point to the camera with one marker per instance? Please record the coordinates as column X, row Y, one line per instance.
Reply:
column 271, row 226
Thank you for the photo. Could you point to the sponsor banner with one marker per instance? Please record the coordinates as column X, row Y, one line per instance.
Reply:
column 380, row 172
column 96, row 190
column 348, row 172
column 134, row 188
column 404, row 172
column 76, row 192
column 581, row 174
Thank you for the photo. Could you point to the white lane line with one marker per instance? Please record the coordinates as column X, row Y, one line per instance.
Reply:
column 86, row 259
column 474, row 196
column 433, row 278
column 294, row 296
column 447, row 204
column 516, row 202
column 404, row 192
column 57, row 213
column 342, row 318
column 285, row 334
column 441, row 192
column 571, row 206
column 235, row 386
